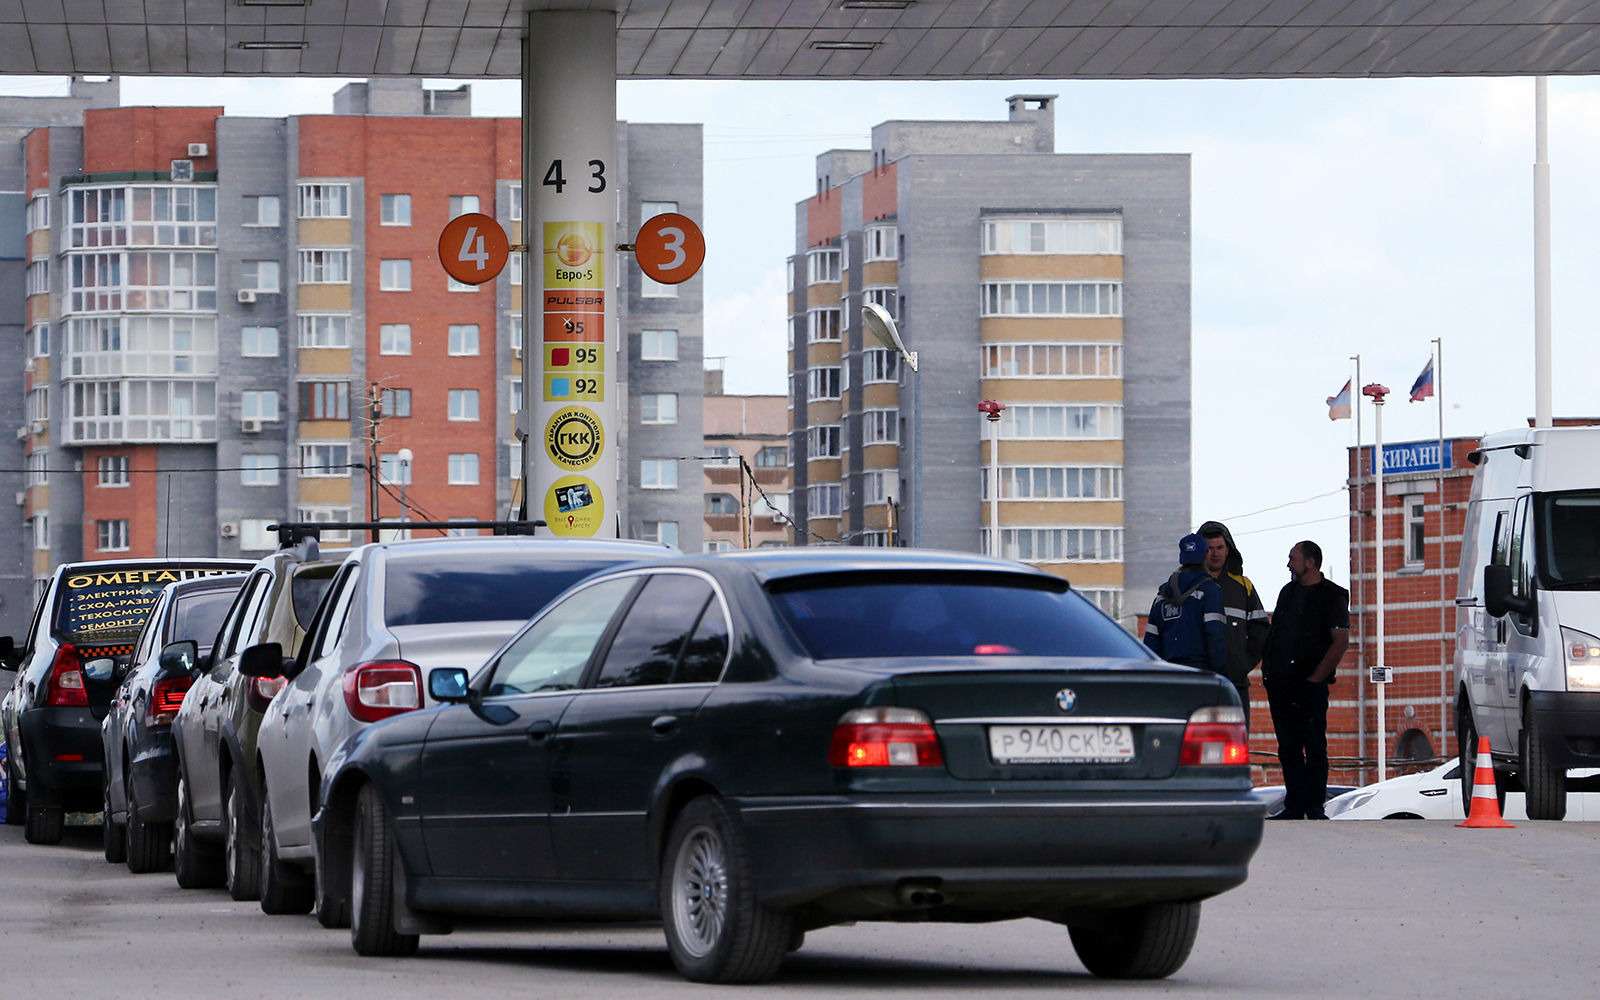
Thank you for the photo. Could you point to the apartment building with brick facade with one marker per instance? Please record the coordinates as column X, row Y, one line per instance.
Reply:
column 229, row 300
column 747, row 505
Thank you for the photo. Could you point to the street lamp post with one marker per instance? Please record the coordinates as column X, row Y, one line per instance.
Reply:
column 403, row 460
column 883, row 329
column 991, row 411
column 1380, row 672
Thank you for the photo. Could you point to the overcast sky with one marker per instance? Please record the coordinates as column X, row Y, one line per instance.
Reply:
column 1330, row 218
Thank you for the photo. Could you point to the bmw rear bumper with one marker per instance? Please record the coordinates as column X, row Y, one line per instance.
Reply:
column 861, row 858
column 63, row 756
column 1570, row 722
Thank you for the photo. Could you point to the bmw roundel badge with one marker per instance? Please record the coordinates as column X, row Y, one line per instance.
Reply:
column 1066, row 698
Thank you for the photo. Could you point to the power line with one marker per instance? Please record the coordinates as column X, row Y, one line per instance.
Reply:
column 1286, row 503
column 209, row 469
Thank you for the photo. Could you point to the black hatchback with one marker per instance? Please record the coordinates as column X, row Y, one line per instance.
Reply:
column 748, row 747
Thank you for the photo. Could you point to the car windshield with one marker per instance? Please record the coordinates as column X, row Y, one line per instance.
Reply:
column 896, row 616
column 198, row 616
column 1570, row 535
column 477, row 586
column 114, row 603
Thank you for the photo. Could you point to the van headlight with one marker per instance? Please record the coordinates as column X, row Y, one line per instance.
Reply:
column 1583, row 660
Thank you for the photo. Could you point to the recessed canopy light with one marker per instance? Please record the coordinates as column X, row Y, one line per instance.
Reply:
column 272, row 46
column 875, row 4
column 845, row 46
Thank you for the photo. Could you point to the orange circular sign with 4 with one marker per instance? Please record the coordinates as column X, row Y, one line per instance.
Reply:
column 473, row 248
column 670, row 248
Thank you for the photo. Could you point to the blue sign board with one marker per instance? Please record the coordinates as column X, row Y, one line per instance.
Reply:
column 1412, row 456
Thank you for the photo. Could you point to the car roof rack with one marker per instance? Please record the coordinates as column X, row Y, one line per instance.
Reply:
column 291, row 532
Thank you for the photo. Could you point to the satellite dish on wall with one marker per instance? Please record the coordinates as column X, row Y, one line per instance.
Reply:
column 882, row 328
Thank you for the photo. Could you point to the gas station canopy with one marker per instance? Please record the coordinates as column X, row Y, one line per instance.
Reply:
column 815, row 39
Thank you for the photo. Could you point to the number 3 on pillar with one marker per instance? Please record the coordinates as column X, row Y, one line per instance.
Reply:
column 670, row 248
column 473, row 248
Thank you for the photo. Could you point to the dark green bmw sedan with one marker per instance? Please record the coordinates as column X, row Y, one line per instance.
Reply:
column 747, row 747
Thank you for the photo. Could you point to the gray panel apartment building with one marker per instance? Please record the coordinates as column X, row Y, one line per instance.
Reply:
column 1056, row 284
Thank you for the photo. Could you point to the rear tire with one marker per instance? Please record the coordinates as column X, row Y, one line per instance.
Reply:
column 1144, row 942
column 717, row 931
column 113, row 836
column 241, row 858
column 149, row 844
column 284, row 887
column 43, row 824
column 1544, row 780
column 197, row 865
column 372, row 883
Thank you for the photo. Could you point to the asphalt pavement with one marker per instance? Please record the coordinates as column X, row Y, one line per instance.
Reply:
column 1392, row 909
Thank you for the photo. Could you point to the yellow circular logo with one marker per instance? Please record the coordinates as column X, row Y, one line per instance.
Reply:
column 574, row 438
column 574, row 507
column 573, row 250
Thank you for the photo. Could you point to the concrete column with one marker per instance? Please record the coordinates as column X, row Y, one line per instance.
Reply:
column 571, row 183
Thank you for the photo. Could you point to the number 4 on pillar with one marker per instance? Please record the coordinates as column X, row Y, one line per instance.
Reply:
column 473, row 248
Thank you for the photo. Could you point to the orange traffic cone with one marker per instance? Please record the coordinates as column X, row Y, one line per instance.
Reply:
column 1485, row 811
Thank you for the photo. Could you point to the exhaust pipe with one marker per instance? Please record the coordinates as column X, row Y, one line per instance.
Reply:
column 920, row 894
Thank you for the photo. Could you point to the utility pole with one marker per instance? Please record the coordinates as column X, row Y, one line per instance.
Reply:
column 1542, row 406
column 375, row 417
column 1380, row 673
column 991, row 411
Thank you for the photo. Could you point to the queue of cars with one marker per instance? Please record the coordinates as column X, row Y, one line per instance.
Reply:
column 411, row 737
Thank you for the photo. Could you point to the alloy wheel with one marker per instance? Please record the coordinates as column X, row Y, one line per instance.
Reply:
column 700, row 894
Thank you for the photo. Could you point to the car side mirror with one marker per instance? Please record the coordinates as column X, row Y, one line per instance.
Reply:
column 100, row 670
column 10, row 656
column 264, row 659
column 179, row 658
column 448, row 685
column 1497, row 589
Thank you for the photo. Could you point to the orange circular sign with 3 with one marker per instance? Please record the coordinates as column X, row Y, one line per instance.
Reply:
column 670, row 248
column 473, row 248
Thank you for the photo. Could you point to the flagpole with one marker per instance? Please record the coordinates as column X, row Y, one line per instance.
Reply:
column 1444, row 572
column 1361, row 589
column 1380, row 673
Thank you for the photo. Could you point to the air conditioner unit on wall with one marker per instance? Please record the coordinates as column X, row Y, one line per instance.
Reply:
column 183, row 170
column 247, row 295
column 198, row 150
column 249, row 426
column 229, row 529
column 22, row 497
column 22, row 432
column 40, row 425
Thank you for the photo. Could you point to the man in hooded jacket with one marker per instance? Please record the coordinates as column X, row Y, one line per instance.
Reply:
column 1186, row 624
column 1241, row 605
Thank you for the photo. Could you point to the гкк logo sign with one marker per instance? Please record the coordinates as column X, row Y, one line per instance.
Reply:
column 574, row 438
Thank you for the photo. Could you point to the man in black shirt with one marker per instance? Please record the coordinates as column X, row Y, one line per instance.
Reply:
column 1310, row 631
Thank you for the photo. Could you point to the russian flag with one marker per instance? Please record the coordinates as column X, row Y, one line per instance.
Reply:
column 1339, row 406
column 1422, row 388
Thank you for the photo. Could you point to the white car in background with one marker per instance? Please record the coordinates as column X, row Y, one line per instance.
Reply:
column 1436, row 794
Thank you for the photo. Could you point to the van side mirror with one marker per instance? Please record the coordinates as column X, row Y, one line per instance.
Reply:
column 448, row 684
column 10, row 656
column 262, row 660
column 1498, row 599
column 179, row 659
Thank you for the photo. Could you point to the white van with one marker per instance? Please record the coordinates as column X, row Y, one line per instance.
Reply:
column 1528, row 612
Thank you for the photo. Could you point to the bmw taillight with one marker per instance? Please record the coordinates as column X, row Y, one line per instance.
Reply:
column 885, row 737
column 166, row 697
column 377, row 690
column 1216, row 737
column 66, row 688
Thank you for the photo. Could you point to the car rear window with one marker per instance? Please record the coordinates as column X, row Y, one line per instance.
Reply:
column 307, row 588
column 878, row 616
column 199, row 616
column 477, row 587
column 102, row 605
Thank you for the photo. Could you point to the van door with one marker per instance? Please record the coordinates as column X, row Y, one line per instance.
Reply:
column 1486, row 663
column 1524, row 644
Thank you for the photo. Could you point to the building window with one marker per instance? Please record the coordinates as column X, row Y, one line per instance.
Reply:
column 452, row 285
column 1082, row 236
column 111, row 536
column 38, row 213
column 41, row 531
column 880, row 365
column 658, row 408
column 717, row 545
column 324, row 267
column 112, row 470
column 258, row 341
column 880, row 486
column 822, row 265
column 721, row 505
column 1057, row 482
column 514, row 199
column 464, row 470
column 514, row 458
column 260, row 276
column 39, row 276
column 788, row 274
column 142, row 410
column 663, row 532
column 463, row 204
column 1058, row 544
column 259, row 470
column 1051, row 298
column 772, row 456
column 141, row 345
column 261, row 210
column 823, row 325
column 773, row 505
column 1416, row 533
column 823, row 441
column 327, row 515
column 514, row 332
column 254, row 536
column 658, row 345
column 880, row 241
column 883, row 296
column 658, row 474
column 463, row 340
column 648, row 288
column 324, row 201
column 394, row 338
column 39, row 341
column 824, row 500
column 1052, row 361
column 145, row 215
column 394, row 210
column 393, row 471
column 463, row 404
column 37, row 405
column 516, row 395
column 1093, row 422
column 325, row 459
column 721, row 457
column 39, row 467
column 393, row 275
column 514, row 268
column 396, row 402
column 880, row 427
column 1107, row 599
column 258, row 404
column 822, row 383
column 319, row 330
column 462, row 532
column 325, row 400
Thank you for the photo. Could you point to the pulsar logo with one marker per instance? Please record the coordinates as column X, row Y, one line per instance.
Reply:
column 1066, row 698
